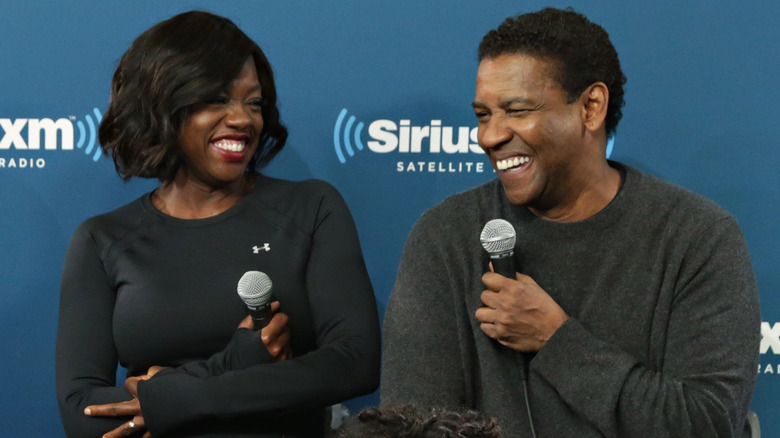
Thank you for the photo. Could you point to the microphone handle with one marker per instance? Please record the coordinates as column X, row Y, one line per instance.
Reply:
column 261, row 315
column 504, row 264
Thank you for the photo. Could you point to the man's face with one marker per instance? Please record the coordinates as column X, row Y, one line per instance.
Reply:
column 533, row 137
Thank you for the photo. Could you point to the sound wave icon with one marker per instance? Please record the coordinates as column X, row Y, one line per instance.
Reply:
column 92, row 125
column 345, row 135
column 610, row 146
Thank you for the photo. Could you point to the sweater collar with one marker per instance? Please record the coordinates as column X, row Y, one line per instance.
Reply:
column 608, row 216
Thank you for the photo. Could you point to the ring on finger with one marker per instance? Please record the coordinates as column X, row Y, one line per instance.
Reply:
column 131, row 425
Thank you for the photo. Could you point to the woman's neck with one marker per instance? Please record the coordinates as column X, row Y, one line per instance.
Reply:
column 186, row 198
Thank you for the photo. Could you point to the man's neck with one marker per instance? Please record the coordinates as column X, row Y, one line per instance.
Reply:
column 586, row 196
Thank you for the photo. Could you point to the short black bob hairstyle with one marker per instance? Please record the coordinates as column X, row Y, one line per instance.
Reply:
column 580, row 50
column 167, row 72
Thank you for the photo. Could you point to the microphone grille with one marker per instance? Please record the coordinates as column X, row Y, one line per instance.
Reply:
column 254, row 288
column 498, row 236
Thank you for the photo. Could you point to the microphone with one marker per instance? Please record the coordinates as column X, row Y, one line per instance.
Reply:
column 254, row 288
column 498, row 238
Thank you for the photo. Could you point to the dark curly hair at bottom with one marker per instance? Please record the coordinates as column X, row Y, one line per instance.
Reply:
column 579, row 48
column 408, row 421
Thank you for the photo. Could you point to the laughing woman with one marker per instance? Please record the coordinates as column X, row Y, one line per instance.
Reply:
column 152, row 285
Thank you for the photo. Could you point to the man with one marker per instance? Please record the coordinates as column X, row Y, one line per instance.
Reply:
column 634, row 306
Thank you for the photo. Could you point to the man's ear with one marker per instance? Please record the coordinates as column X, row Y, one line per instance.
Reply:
column 595, row 100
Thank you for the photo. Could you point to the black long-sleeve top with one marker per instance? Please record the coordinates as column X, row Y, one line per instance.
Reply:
column 142, row 288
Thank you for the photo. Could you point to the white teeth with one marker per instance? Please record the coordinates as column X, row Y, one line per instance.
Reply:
column 511, row 162
column 230, row 145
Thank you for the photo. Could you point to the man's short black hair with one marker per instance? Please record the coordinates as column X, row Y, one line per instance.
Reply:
column 580, row 49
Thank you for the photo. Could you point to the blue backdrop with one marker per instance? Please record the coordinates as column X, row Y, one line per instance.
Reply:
column 354, row 78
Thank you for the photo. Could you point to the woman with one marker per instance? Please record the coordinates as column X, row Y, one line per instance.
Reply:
column 152, row 285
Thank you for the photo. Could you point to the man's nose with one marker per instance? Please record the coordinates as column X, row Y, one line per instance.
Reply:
column 493, row 133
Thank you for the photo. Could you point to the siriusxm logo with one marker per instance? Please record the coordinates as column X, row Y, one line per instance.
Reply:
column 769, row 348
column 387, row 136
column 770, row 338
column 14, row 130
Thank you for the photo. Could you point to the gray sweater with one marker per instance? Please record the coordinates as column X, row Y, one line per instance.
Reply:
column 664, row 330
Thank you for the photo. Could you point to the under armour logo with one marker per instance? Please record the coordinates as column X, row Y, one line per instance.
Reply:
column 256, row 249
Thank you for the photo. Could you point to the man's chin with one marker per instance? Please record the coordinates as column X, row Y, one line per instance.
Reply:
column 516, row 197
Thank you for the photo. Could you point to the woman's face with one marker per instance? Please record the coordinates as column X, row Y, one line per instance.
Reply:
column 219, row 139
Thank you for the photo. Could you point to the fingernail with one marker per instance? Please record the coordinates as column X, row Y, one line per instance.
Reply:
column 88, row 411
